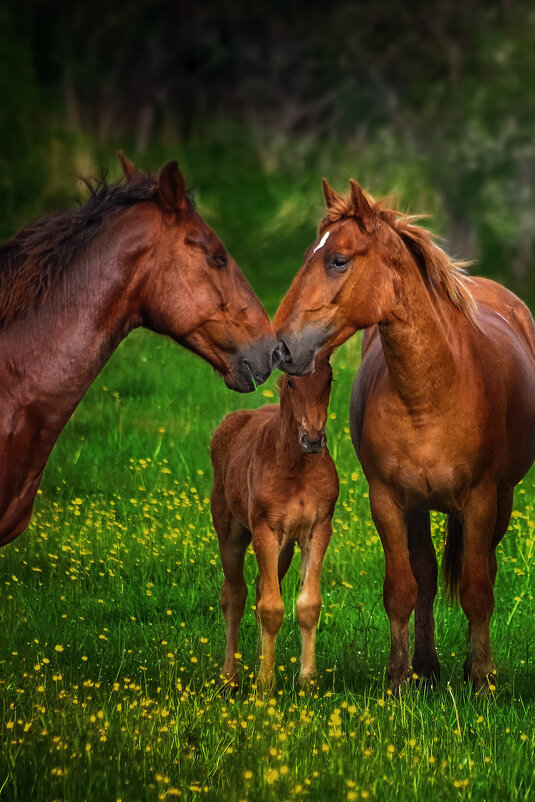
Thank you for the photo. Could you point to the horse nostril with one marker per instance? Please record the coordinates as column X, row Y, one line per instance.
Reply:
column 284, row 352
column 275, row 357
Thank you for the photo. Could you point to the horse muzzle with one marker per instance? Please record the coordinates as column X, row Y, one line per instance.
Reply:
column 312, row 442
column 252, row 366
column 298, row 353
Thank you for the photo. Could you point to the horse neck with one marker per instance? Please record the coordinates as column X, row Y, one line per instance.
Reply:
column 62, row 344
column 286, row 434
column 417, row 338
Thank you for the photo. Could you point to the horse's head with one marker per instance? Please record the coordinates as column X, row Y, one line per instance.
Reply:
column 345, row 283
column 192, row 290
column 308, row 398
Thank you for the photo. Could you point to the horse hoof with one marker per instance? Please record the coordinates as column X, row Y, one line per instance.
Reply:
column 231, row 683
column 426, row 669
column 483, row 681
column 308, row 682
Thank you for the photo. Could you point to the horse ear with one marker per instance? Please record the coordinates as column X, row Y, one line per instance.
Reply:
column 131, row 173
column 172, row 189
column 329, row 194
column 364, row 213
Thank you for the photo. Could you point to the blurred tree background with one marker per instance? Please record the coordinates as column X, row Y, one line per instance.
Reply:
column 434, row 100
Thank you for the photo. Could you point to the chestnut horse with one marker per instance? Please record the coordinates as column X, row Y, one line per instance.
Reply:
column 73, row 285
column 275, row 482
column 442, row 410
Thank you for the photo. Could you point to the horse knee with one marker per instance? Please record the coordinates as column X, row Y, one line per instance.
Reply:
column 308, row 611
column 233, row 596
column 271, row 613
column 400, row 597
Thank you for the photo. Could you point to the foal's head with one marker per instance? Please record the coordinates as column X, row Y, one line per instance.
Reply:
column 353, row 277
column 308, row 399
column 192, row 289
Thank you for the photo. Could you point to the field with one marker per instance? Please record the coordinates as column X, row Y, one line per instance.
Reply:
column 112, row 636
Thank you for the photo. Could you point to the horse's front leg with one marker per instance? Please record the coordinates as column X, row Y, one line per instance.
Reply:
column 400, row 588
column 475, row 591
column 423, row 560
column 269, row 607
column 309, row 601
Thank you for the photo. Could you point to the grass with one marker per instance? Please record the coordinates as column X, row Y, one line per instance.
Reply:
column 112, row 637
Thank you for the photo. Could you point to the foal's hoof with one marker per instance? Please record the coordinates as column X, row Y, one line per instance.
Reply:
column 398, row 676
column 265, row 684
column 308, row 682
column 483, row 682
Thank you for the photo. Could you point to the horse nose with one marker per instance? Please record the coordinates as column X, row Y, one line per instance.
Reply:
column 285, row 355
column 310, row 446
column 275, row 357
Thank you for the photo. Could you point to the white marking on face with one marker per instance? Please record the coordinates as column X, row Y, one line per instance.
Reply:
column 322, row 242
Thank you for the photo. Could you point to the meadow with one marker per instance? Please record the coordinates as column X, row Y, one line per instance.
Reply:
column 112, row 635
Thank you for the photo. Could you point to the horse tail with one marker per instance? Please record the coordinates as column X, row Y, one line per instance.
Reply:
column 452, row 562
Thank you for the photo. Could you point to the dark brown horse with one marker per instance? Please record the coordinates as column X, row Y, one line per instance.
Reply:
column 442, row 410
column 72, row 286
column 275, row 481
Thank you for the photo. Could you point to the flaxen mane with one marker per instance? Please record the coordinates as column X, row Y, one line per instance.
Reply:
column 36, row 258
column 442, row 271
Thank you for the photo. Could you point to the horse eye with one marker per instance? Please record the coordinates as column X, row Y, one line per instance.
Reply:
column 290, row 384
column 339, row 263
column 220, row 260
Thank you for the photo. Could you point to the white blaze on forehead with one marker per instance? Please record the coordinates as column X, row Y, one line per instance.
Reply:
column 322, row 242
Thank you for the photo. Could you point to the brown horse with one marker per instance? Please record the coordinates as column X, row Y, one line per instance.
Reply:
column 442, row 409
column 275, row 481
column 73, row 285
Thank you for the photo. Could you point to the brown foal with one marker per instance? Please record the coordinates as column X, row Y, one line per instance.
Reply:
column 442, row 410
column 275, row 483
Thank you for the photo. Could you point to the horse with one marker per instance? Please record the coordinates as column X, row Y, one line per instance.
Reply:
column 275, row 484
column 74, row 284
column 442, row 411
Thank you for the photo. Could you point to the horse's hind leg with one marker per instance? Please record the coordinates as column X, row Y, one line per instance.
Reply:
column 309, row 601
column 400, row 588
column 233, row 541
column 505, row 507
column 423, row 561
column 476, row 592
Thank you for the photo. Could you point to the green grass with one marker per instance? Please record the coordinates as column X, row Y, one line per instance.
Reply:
column 112, row 636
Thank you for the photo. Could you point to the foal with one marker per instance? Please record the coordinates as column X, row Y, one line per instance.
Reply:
column 275, row 483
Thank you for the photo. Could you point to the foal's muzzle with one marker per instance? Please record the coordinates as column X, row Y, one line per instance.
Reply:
column 313, row 445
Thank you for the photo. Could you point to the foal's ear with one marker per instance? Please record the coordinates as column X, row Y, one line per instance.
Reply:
column 172, row 189
column 329, row 194
column 364, row 213
column 131, row 173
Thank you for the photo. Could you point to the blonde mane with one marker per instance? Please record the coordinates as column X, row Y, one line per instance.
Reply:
column 443, row 271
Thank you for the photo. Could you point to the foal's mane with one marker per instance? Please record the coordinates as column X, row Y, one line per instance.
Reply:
column 38, row 257
column 442, row 271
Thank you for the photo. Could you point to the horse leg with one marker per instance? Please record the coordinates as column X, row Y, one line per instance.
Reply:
column 269, row 607
column 400, row 588
column 505, row 507
column 424, row 567
column 476, row 591
column 233, row 541
column 309, row 601
column 285, row 560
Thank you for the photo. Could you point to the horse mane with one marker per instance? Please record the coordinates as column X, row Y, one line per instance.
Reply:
column 38, row 257
column 442, row 271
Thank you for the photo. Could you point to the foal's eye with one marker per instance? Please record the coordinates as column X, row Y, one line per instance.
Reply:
column 290, row 384
column 219, row 260
column 339, row 263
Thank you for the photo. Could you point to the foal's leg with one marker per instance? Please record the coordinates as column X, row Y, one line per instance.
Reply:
column 269, row 607
column 309, row 601
column 400, row 588
column 233, row 541
column 476, row 593
column 424, row 568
